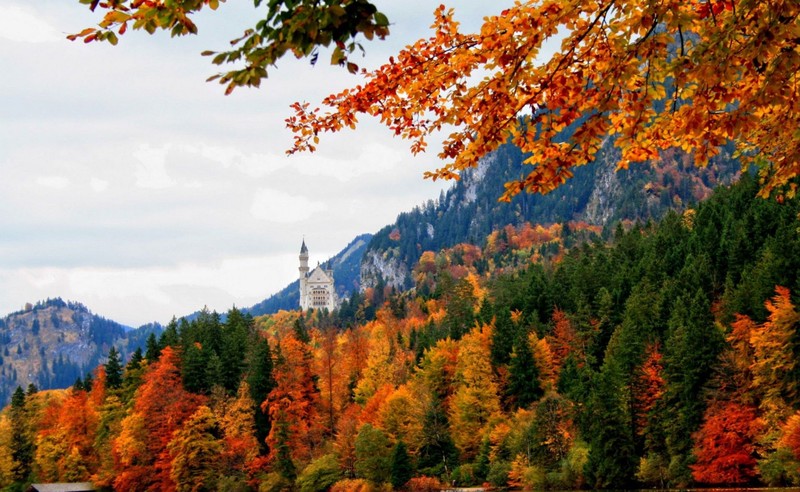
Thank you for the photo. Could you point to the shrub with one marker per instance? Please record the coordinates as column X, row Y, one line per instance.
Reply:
column 498, row 473
column 320, row 474
column 424, row 484
column 355, row 485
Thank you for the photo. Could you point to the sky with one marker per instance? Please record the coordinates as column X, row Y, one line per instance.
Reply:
column 130, row 184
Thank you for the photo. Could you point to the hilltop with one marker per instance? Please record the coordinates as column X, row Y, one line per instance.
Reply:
column 53, row 342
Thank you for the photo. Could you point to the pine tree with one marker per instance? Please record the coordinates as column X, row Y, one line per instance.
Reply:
column 261, row 382
column 153, row 348
column 524, row 387
column 113, row 369
column 690, row 353
column 502, row 337
column 21, row 445
column 300, row 330
column 402, row 469
column 193, row 371
column 136, row 360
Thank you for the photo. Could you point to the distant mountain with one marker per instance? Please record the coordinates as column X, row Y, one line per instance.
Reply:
column 53, row 342
column 346, row 266
column 597, row 194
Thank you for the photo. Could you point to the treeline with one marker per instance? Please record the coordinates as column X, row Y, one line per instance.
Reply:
column 548, row 358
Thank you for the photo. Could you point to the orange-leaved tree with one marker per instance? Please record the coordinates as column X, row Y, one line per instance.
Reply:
column 693, row 74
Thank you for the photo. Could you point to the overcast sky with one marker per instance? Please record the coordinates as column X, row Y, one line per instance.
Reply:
column 135, row 187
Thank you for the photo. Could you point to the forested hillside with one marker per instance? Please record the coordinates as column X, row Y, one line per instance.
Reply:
column 597, row 195
column 52, row 343
column 665, row 355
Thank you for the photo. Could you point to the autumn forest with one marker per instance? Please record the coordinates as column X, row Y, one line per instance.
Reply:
column 552, row 356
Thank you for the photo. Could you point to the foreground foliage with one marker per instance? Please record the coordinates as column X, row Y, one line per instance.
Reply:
column 693, row 74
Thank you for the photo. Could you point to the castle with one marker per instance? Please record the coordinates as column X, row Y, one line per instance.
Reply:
column 317, row 290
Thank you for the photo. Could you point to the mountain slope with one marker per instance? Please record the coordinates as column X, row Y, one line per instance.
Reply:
column 52, row 343
column 597, row 195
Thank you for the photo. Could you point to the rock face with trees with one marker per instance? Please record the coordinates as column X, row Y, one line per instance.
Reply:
column 546, row 357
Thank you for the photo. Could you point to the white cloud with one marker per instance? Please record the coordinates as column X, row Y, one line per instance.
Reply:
column 54, row 182
column 280, row 207
column 253, row 164
column 23, row 25
column 350, row 163
column 98, row 185
column 151, row 171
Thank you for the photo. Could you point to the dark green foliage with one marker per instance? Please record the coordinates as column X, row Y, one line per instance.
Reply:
column 88, row 381
column 690, row 354
column 136, row 360
column 498, row 473
column 114, row 369
column 32, row 390
column 524, row 386
column 22, row 448
column 320, row 474
column 300, row 331
column 503, row 337
column 438, row 454
column 193, row 370
column 402, row 468
column 482, row 461
column 153, row 348
column 612, row 458
column 261, row 382
column 373, row 454
column 283, row 462
column 169, row 338
column 238, row 329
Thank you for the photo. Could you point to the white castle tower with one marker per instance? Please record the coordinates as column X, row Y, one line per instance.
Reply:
column 317, row 289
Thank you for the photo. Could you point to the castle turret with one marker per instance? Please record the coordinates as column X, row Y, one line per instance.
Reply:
column 303, row 275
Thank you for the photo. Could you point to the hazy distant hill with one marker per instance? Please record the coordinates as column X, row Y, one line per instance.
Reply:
column 597, row 195
column 52, row 343
column 346, row 273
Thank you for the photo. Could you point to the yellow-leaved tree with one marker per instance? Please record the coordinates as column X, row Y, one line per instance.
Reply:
column 693, row 74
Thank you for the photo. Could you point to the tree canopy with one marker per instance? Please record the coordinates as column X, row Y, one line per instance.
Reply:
column 690, row 74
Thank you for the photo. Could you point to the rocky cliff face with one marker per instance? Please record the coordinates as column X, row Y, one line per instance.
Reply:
column 384, row 266
column 52, row 343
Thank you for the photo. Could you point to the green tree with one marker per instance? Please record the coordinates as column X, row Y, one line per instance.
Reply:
column 373, row 454
column 320, row 474
column 503, row 337
column 438, row 454
column 690, row 353
column 611, row 461
column 261, row 382
column 21, row 443
column 153, row 348
column 193, row 369
column 113, row 369
column 402, row 468
column 524, row 386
